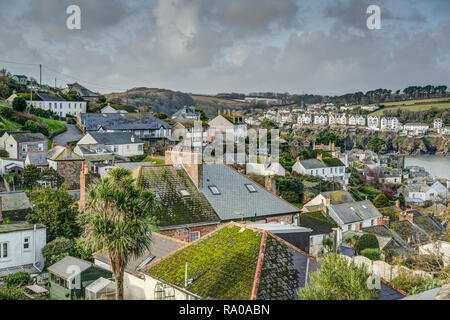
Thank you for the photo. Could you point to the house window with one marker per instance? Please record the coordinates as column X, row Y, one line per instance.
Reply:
column 116, row 148
column 40, row 147
column 194, row 235
column 251, row 188
column 140, row 147
column 26, row 243
column 214, row 190
column 4, row 250
column 349, row 227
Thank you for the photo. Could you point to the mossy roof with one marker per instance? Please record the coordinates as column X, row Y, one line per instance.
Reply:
column 167, row 181
column 339, row 196
column 409, row 232
column 429, row 224
column 230, row 264
column 333, row 162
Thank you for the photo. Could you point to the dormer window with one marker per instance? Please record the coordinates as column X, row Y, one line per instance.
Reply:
column 251, row 188
column 214, row 190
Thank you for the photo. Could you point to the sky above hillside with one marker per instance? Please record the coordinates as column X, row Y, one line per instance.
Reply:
column 211, row 46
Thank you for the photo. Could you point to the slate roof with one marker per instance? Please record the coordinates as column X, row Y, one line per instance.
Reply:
column 167, row 181
column 84, row 92
column 429, row 224
column 27, row 136
column 14, row 200
column 60, row 153
column 235, row 201
column 185, row 111
column 50, row 97
column 122, row 121
column 237, row 262
column 312, row 164
column 316, row 225
column 61, row 268
column 13, row 227
column 409, row 231
column 338, row 197
column 161, row 245
column 39, row 159
column 384, row 231
column 354, row 212
column 115, row 138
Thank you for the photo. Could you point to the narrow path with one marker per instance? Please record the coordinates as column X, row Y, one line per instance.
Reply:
column 72, row 134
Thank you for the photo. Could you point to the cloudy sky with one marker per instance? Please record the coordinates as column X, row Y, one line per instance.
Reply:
column 211, row 46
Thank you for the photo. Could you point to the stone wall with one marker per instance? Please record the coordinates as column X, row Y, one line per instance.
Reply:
column 70, row 170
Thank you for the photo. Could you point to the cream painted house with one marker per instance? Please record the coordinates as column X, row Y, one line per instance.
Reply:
column 120, row 143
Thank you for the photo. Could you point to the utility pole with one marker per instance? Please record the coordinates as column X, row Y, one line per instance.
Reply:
column 55, row 83
column 40, row 75
column 127, row 96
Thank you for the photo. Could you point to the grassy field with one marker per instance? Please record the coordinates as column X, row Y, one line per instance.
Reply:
column 7, row 124
column 217, row 100
column 415, row 105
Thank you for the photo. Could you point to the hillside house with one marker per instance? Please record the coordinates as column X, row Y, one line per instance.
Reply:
column 186, row 114
column 143, row 125
column 83, row 92
column 21, row 247
column 124, row 144
column 67, row 163
column 354, row 215
column 19, row 144
column 331, row 169
column 62, row 105
column 14, row 206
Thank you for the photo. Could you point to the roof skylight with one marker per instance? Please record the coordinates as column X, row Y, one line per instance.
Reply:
column 214, row 190
column 251, row 188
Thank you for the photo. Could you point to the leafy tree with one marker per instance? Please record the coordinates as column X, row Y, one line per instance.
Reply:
column 290, row 188
column 102, row 99
column 337, row 280
column 17, row 279
column 203, row 116
column 57, row 210
column 367, row 240
column 118, row 219
column 381, row 201
column 287, row 161
column 31, row 175
column 19, row 104
column 352, row 241
column 4, row 153
column 57, row 249
column 53, row 177
column 375, row 144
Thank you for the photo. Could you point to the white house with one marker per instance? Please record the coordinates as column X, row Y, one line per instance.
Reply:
column 330, row 169
column 390, row 124
column 21, row 245
column 120, row 143
column 437, row 123
column 341, row 119
column 373, row 122
column 440, row 189
column 304, row 118
column 321, row 119
column 268, row 168
column 416, row 128
column 109, row 109
column 62, row 106
column 417, row 194
column 354, row 215
column 360, row 121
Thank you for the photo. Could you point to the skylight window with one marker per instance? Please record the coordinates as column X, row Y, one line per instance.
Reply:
column 214, row 190
column 251, row 188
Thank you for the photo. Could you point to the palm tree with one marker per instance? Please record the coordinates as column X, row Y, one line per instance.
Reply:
column 352, row 240
column 118, row 219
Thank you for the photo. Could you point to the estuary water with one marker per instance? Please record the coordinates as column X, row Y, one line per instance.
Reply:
column 438, row 166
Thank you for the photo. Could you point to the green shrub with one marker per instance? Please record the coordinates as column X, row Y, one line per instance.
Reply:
column 372, row 254
column 57, row 249
column 17, row 279
column 381, row 201
column 366, row 241
column 414, row 284
column 19, row 104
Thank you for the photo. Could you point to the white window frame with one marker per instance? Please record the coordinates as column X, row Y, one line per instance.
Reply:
column 2, row 251
column 194, row 235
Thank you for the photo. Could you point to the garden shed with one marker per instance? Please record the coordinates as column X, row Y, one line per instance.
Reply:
column 101, row 289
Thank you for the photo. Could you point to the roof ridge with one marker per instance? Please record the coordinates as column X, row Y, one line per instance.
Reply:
column 259, row 266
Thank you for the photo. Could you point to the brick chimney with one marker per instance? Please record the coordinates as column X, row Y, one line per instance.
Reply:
column 1, row 215
column 358, row 226
column 84, row 183
column 191, row 162
column 384, row 221
column 406, row 216
column 328, row 201
column 397, row 203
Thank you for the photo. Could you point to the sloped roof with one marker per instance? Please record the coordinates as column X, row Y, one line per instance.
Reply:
column 13, row 227
column 312, row 164
column 338, row 197
column 122, row 121
column 317, row 226
column 237, row 262
column 429, row 224
column 354, row 211
column 161, row 245
column 167, row 181
column 27, row 136
column 64, row 267
column 235, row 201
column 83, row 91
column 384, row 231
column 38, row 158
column 409, row 231
column 60, row 153
column 14, row 200
column 115, row 138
